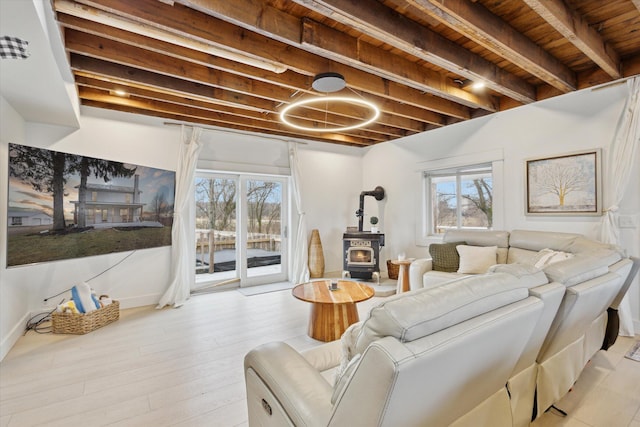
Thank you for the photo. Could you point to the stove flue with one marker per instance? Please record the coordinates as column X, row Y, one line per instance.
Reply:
column 378, row 193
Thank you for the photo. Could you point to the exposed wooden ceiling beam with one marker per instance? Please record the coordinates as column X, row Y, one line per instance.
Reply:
column 190, row 23
column 479, row 24
column 236, row 64
column 316, row 116
column 596, row 76
column 349, row 50
column 631, row 66
column 372, row 18
column 120, row 53
column 288, row 79
column 97, row 82
column 131, row 76
column 573, row 27
column 187, row 113
column 404, row 116
column 332, row 138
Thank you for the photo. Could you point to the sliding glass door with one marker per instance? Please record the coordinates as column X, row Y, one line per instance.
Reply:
column 241, row 225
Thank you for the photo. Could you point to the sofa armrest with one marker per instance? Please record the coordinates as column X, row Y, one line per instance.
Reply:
column 416, row 270
column 301, row 391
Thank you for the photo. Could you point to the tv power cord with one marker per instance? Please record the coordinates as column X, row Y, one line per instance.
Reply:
column 35, row 323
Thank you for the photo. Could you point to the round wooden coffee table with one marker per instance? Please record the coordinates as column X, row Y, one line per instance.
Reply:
column 332, row 311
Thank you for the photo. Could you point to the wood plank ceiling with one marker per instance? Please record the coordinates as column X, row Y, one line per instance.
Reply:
column 236, row 63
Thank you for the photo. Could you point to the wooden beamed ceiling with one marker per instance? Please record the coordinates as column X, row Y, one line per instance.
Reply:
column 236, row 64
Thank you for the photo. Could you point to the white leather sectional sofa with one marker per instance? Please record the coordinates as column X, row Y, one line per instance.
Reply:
column 431, row 357
column 490, row 349
column 592, row 277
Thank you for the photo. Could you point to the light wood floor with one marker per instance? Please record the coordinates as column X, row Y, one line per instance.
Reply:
column 183, row 367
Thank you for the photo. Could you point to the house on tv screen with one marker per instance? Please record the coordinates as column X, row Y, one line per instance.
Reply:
column 107, row 205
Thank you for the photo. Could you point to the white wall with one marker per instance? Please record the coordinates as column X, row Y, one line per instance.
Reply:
column 332, row 179
column 331, row 176
column 136, row 281
column 574, row 122
column 13, row 296
column 331, row 186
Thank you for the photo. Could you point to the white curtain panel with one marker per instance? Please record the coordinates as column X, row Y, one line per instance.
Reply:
column 620, row 161
column 182, row 233
column 300, row 269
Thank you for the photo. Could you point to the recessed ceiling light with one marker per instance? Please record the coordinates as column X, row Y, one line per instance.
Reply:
column 477, row 85
column 120, row 92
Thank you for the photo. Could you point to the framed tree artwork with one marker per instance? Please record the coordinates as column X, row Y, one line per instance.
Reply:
column 568, row 184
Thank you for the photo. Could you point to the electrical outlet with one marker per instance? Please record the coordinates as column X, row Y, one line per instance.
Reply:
column 48, row 305
column 628, row 221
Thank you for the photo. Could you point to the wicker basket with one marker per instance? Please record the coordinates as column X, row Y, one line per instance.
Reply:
column 79, row 324
column 392, row 270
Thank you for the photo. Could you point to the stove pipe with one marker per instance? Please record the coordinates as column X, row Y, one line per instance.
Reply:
column 378, row 193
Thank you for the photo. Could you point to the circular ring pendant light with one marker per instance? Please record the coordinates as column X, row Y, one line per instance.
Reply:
column 374, row 112
column 329, row 83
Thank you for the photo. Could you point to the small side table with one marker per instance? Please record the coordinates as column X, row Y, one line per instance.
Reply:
column 403, row 274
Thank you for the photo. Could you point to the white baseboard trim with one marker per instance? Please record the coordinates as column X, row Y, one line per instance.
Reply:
column 12, row 337
column 18, row 330
column 139, row 301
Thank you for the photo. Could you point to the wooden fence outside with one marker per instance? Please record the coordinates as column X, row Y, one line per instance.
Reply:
column 206, row 239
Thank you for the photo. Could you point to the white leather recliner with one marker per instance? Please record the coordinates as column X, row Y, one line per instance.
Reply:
column 432, row 357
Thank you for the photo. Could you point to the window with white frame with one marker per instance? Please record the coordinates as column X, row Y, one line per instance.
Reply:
column 459, row 197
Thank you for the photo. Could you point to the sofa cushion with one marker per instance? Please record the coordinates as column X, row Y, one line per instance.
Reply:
column 476, row 259
column 609, row 253
column 578, row 269
column 444, row 256
column 529, row 275
column 537, row 240
column 437, row 278
column 419, row 313
column 522, row 256
column 479, row 237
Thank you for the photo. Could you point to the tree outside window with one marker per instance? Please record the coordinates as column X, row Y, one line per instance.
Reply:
column 461, row 199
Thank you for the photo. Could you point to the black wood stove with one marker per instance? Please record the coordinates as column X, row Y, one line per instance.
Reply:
column 362, row 248
column 362, row 255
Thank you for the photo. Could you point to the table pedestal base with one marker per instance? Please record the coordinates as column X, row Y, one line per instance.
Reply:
column 328, row 322
column 403, row 275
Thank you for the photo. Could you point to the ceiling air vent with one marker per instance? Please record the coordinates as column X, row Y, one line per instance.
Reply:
column 13, row 48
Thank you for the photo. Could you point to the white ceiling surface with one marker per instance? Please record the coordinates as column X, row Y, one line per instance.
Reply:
column 40, row 88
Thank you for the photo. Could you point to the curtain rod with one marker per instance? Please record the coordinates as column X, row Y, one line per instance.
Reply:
column 209, row 128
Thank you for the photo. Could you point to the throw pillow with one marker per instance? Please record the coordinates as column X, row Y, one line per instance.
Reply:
column 476, row 259
column 84, row 299
column 444, row 256
column 349, row 359
column 549, row 256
